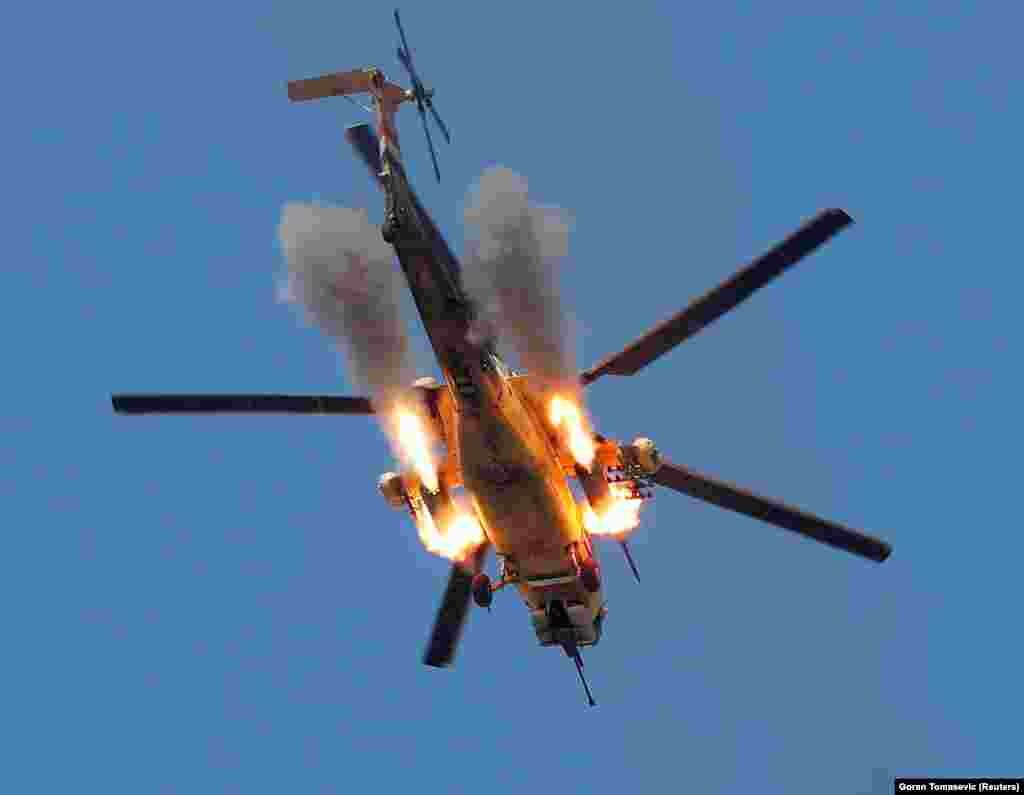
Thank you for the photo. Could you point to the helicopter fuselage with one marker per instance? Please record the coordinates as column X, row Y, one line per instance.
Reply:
column 504, row 450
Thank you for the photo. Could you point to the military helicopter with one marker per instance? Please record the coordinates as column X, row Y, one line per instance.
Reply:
column 510, row 440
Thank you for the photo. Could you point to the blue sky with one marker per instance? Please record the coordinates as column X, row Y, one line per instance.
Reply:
column 227, row 605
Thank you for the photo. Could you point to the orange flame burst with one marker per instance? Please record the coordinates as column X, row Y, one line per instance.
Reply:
column 456, row 541
column 415, row 448
column 567, row 415
column 620, row 516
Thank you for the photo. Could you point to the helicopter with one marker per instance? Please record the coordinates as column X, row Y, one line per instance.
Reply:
column 514, row 443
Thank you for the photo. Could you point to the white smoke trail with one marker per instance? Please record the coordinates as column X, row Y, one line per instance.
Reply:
column 515, row 250
column 342, row 274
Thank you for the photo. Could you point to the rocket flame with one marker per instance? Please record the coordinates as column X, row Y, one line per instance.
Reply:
column 620, row 516
column 415, row 447
column 567, row 414
column 456, row 541
column 459, row 533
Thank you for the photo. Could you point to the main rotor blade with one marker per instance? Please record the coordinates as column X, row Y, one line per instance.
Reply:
column 725, row 495
column 711, row 306
column 444, row 129
column 239, row 404
column 430, row 143
column 451, row 616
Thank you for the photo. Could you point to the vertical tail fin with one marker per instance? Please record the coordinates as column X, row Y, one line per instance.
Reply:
column 365, row 143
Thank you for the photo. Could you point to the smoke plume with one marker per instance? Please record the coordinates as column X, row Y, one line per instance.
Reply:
column 341, row 273
column 515, row 247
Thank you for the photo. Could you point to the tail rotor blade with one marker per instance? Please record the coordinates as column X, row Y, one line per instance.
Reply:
column 430, row 144
column 403, row 57
column 441, row 124
column 405, row 44
column 423, row 97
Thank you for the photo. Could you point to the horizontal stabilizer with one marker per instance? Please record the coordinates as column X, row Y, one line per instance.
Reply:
column 333, row 85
